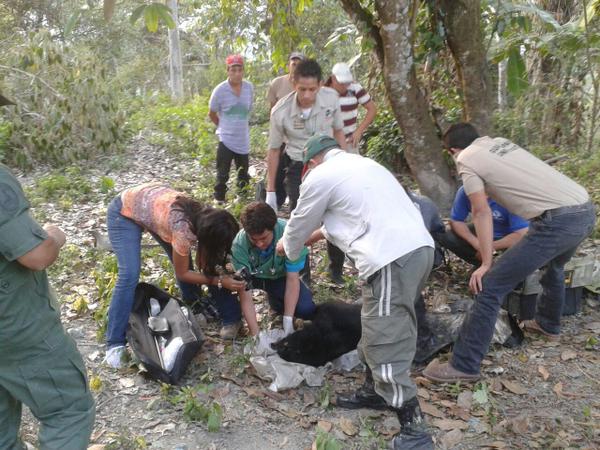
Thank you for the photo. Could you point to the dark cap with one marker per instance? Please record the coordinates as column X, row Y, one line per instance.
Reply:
column 296, row 55
column 316, row 145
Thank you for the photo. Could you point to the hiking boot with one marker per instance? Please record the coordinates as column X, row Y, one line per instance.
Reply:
column 413, row 429
column 364, row 397
column 531, row 326
column 229, row 332
column 445, row 373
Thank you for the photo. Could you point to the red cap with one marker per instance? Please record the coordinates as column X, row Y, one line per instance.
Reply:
column 234, row 60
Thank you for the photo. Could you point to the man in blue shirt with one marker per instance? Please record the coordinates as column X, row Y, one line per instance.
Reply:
column 461, row 238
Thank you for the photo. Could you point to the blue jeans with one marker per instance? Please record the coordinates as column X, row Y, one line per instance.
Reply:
column 126, row 236
column 305, row 308
column 550, row 242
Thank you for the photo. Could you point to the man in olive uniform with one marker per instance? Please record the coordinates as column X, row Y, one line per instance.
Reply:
column 39, row 363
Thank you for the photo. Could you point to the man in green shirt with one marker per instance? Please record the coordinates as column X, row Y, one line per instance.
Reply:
column 39, row 364
column 254, row 249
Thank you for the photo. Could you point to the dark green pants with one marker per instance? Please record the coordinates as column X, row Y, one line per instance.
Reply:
column 50, row 379
column 389, row 325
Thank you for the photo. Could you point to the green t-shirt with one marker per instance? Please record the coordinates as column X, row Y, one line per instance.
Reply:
column 265, row 264
column 28, row 309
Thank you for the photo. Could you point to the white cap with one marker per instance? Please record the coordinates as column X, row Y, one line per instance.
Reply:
column 342, row 73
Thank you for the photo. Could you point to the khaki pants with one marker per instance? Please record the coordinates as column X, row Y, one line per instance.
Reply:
column 389, row 325
column 50, row 379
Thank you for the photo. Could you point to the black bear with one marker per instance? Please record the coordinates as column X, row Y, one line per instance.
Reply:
column 334, row 330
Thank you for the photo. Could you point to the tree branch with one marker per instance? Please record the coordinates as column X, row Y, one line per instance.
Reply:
column 363, row 19
column 14, row 69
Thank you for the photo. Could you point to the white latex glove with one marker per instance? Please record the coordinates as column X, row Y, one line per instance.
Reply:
column 271, row 200
column 288, row 325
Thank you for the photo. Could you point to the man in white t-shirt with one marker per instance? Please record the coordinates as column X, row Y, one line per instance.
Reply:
column 360, row 207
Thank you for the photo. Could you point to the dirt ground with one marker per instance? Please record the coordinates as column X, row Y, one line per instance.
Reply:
column 540, row 395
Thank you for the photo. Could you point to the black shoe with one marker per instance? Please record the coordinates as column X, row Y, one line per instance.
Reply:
column 207, row 307
column 336, row 278
column 364, row 397
column 413, row 429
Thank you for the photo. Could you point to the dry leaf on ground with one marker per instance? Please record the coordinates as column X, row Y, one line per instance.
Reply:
column 324, row 425
column 451, row 439
column 568, row 354
column 514, row 387
column 449, row 424
column 428, row 408
column 543, row 372
column 348, row 426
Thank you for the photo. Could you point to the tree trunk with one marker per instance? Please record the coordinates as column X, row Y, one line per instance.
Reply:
column 462, row 22
column 175, row 65
column 393, row 37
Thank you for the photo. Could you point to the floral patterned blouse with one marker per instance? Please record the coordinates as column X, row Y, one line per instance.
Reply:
column 150, row 206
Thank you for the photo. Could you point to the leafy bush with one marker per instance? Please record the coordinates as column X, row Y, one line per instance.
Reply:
column 67, row 109
column 384, row 141
column 65, row 189
column 183, row 128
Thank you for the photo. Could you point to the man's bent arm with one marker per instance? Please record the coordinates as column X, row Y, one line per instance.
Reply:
column 43, row 255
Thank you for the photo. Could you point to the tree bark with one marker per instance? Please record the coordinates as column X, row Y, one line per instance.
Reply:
column 175, row 64
column 462, row 22
column 393, row 36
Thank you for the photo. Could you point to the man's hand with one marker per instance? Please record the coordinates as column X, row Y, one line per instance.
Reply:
column 356, row 137
column 271, row 200
column 279, row 248
column 56, row 233
column 232, row 284
column 475, row 283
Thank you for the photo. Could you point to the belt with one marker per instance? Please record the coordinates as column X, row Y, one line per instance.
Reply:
column 549, row 213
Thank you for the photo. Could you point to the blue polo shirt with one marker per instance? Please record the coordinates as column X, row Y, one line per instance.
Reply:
column 504, row 221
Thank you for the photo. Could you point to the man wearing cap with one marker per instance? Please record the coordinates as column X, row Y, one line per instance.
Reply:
column 229, row 109
column 40, row 365
column 351, row 95
column 337, row 193
column 309, row 110
column 279, row 88
column 560, row 216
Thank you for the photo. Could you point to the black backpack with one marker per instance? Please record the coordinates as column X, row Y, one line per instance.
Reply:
column 143, row 341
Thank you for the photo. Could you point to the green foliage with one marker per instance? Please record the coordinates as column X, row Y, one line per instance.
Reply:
column 65, row 190
column 105, row 277
column 183, row 128
column 126, row 441
column 66, row 107
column 326, row 441
column 195, row 410
column 153, row 13
column 384, row 141
column 107, row 185
column 325, row 395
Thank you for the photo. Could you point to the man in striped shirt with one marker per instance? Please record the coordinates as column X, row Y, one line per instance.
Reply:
column 351, row 95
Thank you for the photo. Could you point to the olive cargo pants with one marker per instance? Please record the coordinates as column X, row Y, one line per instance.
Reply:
column 50, row 379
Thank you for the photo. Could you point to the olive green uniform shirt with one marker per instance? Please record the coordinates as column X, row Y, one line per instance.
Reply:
column 288, row 123
column 28, row 310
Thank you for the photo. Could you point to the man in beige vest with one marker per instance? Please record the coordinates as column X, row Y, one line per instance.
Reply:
column 561, row 215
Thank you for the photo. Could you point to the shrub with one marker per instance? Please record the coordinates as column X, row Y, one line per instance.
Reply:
column 66, row 109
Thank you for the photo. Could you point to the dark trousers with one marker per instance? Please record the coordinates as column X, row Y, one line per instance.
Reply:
column 280, row 177
column 275, row 289
column 224, row 158
column 551, row 241
column 293, row 179
column 457, row 245
column 336, row 259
